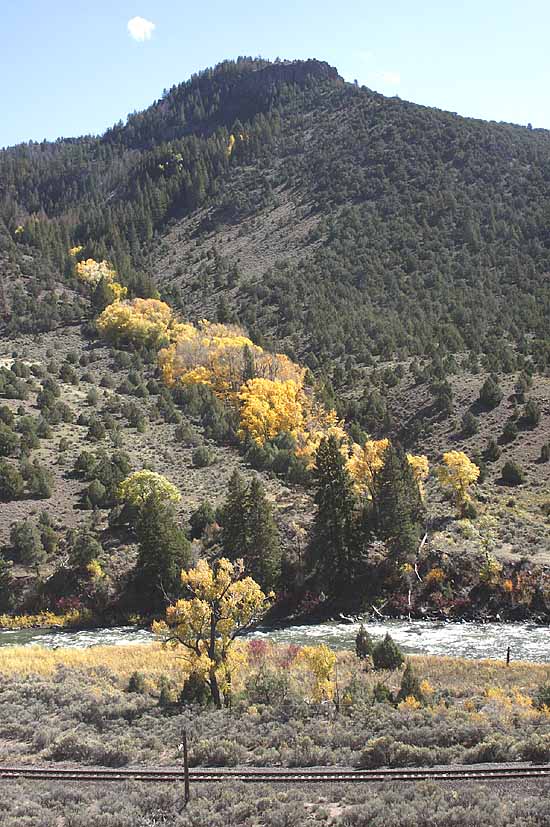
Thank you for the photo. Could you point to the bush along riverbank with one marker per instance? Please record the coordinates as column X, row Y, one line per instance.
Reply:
column 287, row 706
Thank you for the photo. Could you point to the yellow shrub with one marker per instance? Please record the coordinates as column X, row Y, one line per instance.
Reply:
column 74, row 617
column 435, row 576
column 410, row 702
column 143, row 322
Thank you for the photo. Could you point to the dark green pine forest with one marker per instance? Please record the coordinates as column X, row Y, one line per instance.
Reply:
column 422, row 233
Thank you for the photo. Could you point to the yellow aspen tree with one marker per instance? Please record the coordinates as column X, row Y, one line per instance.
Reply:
column 270, row 407
column 458, row 473
column 420, row 468
column 92, row 271
column 320, row 662
column 220, row 605
column 140, row 322
column 365, row 463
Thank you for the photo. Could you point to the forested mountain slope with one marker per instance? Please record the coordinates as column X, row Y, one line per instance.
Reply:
column 404, row 220
column 400, row 252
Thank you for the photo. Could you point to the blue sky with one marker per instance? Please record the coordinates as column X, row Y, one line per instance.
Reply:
column 69, row 67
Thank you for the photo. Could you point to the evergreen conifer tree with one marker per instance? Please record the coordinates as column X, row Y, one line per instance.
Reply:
column 6, row 585
column 164, row 551
column 234, row 538
column 399, row 508
column 332, row 548
column 249, row 531
column 262, row 554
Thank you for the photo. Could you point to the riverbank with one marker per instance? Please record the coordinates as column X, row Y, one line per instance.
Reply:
column 527, row 642
column 116, row 706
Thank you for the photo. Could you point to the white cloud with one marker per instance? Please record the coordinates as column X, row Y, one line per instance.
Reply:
column 140, row 29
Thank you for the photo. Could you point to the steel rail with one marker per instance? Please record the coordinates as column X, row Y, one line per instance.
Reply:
column 171, row 775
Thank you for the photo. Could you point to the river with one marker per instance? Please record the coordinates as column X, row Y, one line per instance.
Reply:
column 469, row 640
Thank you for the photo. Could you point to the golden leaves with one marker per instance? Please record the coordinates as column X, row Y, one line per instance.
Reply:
column 319, row 661
column 142, row 321
column 458, row 472
column 221, row 602
column 420, row 468
column 364, row 464
column 92, row 271
column 270, row 407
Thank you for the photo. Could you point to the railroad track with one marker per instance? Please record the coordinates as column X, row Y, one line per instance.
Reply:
column 493, row 773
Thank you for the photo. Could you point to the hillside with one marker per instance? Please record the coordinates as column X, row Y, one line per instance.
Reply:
column 401, row 253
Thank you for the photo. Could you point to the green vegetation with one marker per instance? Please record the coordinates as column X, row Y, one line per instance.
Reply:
column 399, row 245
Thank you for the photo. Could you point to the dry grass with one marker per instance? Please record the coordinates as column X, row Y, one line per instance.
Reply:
column 151, row 659
column 461, row 677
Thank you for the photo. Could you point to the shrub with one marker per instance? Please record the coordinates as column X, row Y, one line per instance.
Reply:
column 83, row 547
column 410, row 685
column 185, row 434
column 494, row 749
column 469, row 510
column 136, row 683
column 96, row 431
column 364, row 644
column 39, row 480
column 95, row 493
column 27, row 544
column 195, row 691
column 490, row 394
column 536, row 749
column 470, row 424
column 492, row 451
column 377, row 753
column 510, row 431
column 12, row 483
column 201, row 457
column 545, row 452
column 216, row 752
column 531, row 415
column 542, row 696
column 201, row 519
column 381, row 694
column 386, row 654
column 92, row 397
column 6, row 415
column 268, row 685
column 8, row 440
column 512, row 473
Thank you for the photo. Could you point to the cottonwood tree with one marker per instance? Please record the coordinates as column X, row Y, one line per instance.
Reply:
column 458, row 473
column 143, row 485
column 220, row 604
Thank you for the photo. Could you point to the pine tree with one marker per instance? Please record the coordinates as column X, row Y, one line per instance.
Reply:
column 410, row 685
column 399, row 509
column 331, row 551
column 491, row 393
column 249, row 531
column 164, row 551
column 364, row 644
column 262, row 555
column 387, row 654
column 27, row 544
column 234, row 538
column 6, row 585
